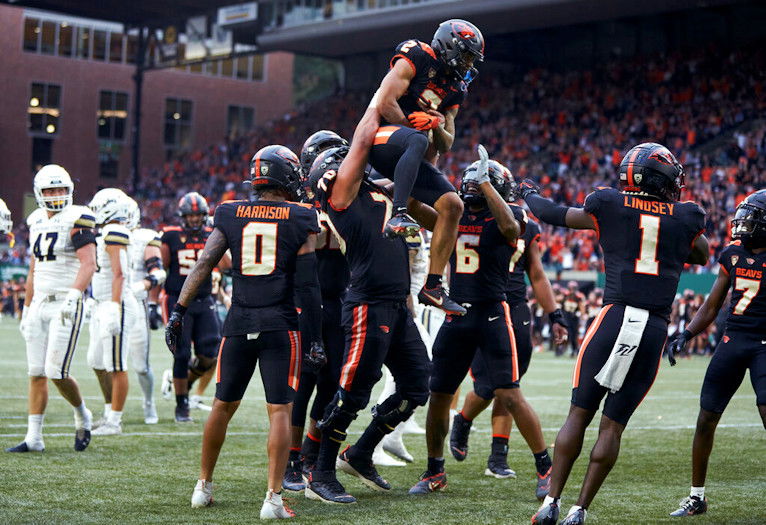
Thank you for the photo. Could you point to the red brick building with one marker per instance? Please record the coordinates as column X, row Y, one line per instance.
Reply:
column 67, row 98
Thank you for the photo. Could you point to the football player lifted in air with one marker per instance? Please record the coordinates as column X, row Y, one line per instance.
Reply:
column 116, row 309
column 333, row 275
column 646, row 236
column 62, row 264
column 419, row 99
column 525, row 258
column 147, row 274
column 181, row 247
column 272, row 244
column 743, row 345
column 378, row 325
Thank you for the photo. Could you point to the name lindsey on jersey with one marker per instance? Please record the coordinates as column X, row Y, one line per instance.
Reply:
column 263, row 212
column 663, row 208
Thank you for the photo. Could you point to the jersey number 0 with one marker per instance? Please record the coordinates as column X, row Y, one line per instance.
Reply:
column 259, row 248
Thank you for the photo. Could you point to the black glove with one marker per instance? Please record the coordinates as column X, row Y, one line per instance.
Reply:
column 557, row 317
column 155, row 317
column 526, row 187
column 677, row 345
column 316, row 358
column 174, row 327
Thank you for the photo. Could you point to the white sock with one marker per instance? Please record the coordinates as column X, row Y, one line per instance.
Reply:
column 34, row 428
column 81, row 419
column 548, row 500
column 697, row 492
column 115, row 417
column 107, row 409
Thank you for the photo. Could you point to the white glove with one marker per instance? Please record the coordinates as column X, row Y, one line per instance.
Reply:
column 87, row 309
column 481, row 175
column 108, row 314
column 138, row 287
column 71, row 303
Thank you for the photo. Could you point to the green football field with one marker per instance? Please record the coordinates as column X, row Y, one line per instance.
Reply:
column 147, row 474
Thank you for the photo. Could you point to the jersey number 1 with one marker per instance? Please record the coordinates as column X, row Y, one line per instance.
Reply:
column 259, row 248
column 647, row 262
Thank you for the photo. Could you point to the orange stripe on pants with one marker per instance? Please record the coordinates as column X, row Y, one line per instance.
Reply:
column 358, row 335
column 218, row 361
column 588, row 336
column 295, row 360
column 512, row 337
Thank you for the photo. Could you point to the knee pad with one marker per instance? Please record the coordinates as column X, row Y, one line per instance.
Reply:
column 201, row 364
column 417, row 142
column 392, row 411
column 337, row 417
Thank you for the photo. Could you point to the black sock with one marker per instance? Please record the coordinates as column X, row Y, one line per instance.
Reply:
column 328, row 452
column 310, row 448
column 372, row 435
column 433, row 280
column 407, row 167
column 295, row 455
column 499, row 446
column 543, row 462
column 182, row 400
column 435, row 465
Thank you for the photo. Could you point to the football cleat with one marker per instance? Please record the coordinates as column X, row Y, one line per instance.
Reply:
column 324, row 486
column 691, row 506
column 380, row 458
column 274, row 508
column 429, row 483
column 293, row 480
column 401, row 224
column 203, row 494
column 497, row 467
column 411, row 426
column 458, row 438
column 307, row 467
column 100, row 422
column 393, row 444
column 546, row 515
column 576, row 516
column 196, row 403
column 182, row 414
column 34, row 446
column 150, row 413
column 108, row 429
column 438, row 297
column 543, row 485
column 363, row 469
column 83, row 432
column 166, row 386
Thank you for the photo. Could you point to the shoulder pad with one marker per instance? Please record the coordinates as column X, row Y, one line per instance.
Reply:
column 301, row 204
column 734, row 243
column 36, row 216
column 166, row 229
column 116, row 234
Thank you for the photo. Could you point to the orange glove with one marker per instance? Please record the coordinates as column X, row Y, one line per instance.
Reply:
column 422, row 121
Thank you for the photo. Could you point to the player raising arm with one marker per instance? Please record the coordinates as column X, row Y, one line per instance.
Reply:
column 743, row 345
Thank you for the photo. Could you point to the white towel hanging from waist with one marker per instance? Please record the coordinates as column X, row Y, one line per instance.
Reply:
column 613, row 373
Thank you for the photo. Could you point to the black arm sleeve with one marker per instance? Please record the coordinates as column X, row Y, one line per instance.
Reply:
column 82, row 238
column 308, row 296
column 546, row 210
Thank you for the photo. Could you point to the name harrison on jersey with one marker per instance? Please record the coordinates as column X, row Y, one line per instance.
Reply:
column 263, row 212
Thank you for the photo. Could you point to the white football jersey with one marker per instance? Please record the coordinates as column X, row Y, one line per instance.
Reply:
column 110, row 235
column 56, row 262
column 140, row 238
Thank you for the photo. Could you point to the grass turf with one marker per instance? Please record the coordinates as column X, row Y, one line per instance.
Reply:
column 147, row 474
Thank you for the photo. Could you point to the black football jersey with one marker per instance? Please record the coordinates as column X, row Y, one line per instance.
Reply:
column 479, row 264
column 379, row 266
column 747, row 312
column 432, row 87
column 646, row 243
column 185, row 247
column 517, row 286
column 264, row 238
column 332, row 266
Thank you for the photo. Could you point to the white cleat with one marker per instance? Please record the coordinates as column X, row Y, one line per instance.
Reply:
column 382, row 459
column 203, row 494
column 108, row 429
column 196, row 403
column 150, row 413
column 412, row 427
column 100, row 422
column 393, row 444
column 166, row 387
column 274, row 508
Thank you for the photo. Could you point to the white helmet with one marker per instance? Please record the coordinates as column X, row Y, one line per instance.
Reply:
column 53, row 176
column 109, row 205
column 134, row 215
column 6, row 225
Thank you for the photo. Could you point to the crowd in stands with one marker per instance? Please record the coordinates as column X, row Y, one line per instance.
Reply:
column 566, row 130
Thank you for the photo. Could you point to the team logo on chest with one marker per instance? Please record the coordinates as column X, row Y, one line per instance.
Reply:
column 734, row 259
column 750, row 261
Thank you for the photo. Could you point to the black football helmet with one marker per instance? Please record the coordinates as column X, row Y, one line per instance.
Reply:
column 277, row 167
column 460, row 45
column 316, row 144
column 499, row 176
column 652, row 169
column 193, row 210
column 749, row 222
column 329, row 159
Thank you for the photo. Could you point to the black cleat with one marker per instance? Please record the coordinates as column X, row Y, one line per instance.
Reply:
column 23, row 447
column 324, row 486
column 438, row 297
column 691, row 506
column 429, row 482
column 363, row 469
column 547, row 515
column 497, row 467
column 401, row 224
column 308, row 465
column 81, row 439
column 182, row 414
column 543, row 484
column 293, row 480
column 458, row 438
